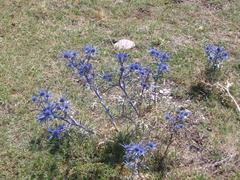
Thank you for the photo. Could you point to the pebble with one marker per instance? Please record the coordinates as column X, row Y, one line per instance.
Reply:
column 165, row 92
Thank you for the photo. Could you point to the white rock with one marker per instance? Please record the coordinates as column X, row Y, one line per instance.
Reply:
column 118, row 1
column 124, row 44
column 165, row 92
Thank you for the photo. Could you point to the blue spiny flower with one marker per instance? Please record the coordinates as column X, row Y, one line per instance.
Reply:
column 44, row 93
column 122, row 57
column 177, row 120
column 151, row 145
column 47, row 113
column 71, row 63
column 70, row 54
column 49, row 109
column 56, row 132
column 216, row 54
column 134, row 153
column 85, row 69
column 63, row 104
column 89, row 50
column 161, row 55
column 182, row 115
column 107, row 77
column 135, row 67
column 34, row 99
column 163, row 68
column 55, row 110
column 136, row 149
column 144, row 73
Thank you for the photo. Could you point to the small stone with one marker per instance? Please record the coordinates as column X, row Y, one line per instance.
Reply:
column 118, row 1
column 124, row 44
column 200, row 28
column 165, row 92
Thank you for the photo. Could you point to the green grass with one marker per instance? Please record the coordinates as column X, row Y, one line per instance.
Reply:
column 33, row 33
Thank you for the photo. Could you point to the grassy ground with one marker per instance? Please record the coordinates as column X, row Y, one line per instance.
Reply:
column 32, row 33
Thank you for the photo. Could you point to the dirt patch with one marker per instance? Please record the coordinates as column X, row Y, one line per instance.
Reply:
column 181, row 40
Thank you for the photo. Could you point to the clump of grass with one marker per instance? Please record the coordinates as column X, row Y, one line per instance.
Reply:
column 113, row 151
column 93, row 171
column 160, row 164
column 200, row 91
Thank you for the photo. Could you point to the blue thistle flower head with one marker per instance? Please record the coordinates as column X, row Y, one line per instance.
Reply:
column 70, row 54
column 138, row 150
column 63, row 104
column 169, row 117
column 145, row 85
column 107, row 76
column 135, row 67
column 176, row 120
column 56, row 132
column 34, row 99
column 71, row 63
column 182, row 115
column 144, row 71
column 89, row 50
column 49, row 109
column 47, row 113
column 154, row 53
column 85, row 69
column 134, row 152
column 151, row 145
column 122, row 57
column 133, row 149
column 161, row 55
column 44, row 94
column 163, row 68
column 179, row 126
column 216, row 54
column 62, row 100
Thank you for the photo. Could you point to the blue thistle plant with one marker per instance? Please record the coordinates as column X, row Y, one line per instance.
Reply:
column 144, row 74
column 51, row 110
column 216, row 55
column 134, row 154
column 84, row 69
column 160, row 65
column 176, row 120
column 123, row 75
column 159, row 55
column 127, row 75
column 160, row 60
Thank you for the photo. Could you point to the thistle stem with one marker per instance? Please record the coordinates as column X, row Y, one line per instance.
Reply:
column 122, row 86
column 106, row 108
